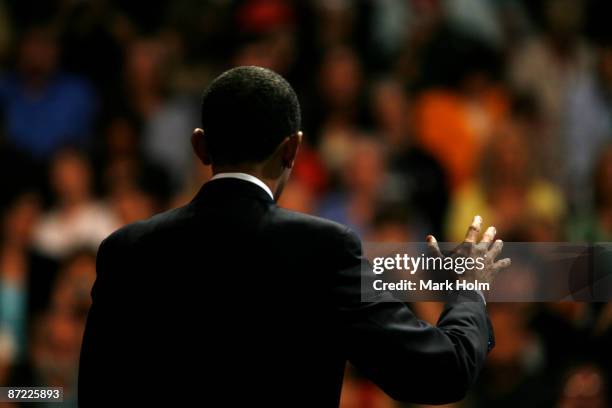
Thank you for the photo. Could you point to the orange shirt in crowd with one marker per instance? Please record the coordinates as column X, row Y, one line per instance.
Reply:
column 454, row 128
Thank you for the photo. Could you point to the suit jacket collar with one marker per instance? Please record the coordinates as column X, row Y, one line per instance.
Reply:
column 246, row 177
column 231, row 187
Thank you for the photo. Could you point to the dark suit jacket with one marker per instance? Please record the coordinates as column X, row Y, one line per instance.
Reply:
column 231, row 300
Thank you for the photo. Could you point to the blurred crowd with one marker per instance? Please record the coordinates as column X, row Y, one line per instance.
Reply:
column 418, row 115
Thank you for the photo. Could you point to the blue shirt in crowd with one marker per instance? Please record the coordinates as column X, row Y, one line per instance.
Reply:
column 39, row 123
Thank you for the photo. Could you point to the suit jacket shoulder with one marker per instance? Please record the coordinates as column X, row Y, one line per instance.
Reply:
column 329, row 236
column 133, row 233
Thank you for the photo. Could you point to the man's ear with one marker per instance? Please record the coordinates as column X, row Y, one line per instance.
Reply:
column 199, row 146
column 290, row 149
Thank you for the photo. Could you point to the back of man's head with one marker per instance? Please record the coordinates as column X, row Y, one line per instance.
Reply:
column 246, row 113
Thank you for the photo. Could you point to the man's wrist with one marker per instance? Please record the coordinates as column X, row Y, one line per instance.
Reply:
column 484, row 300
column 468, row 296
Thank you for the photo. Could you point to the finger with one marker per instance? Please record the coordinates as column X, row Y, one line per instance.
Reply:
column 502, row 264
column 489, row 235
column 495, row 249
column 474, row 230
column 432, row 244
column 497, row 267
column 492, row 274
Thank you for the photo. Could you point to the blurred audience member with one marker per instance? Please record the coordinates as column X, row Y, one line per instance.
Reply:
column 539, row 135
column 514, row 374
column 77, row 219
column 363, row 175
column 338, row 108
column 125, row 168
column 585, row 387
column 131, row 205
column 45, row 108
column 477, row 18
column 416, row 179
column 336, row 21
column 167, row 118
column 596, row 225
column 56, row 337
column 310, row 170
column 55, row 349
column 549, row 63
column 508, row 195
column 548, row 66
column 25, row 274
column 391, row 224
column 92, row 46
column 268, row 29
column 390, row 25
column 588, row 126
column 455, row 125
column 298, row 197
column 73, row 285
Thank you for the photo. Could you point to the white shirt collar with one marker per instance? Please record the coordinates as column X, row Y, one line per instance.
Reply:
column 245, row 177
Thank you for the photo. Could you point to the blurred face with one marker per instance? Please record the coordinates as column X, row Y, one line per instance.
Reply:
column 132, row 205
column 145, row 60
column 584, row 389
column 70, row 177
column 511, row 332
column 21, row 218
column 71, row 292
column 391, row 111
column 274, row 51
column 38, row 54
column 297, row 197
column 335, row 22
column 56, row 347
column 340, row 78
column 510, row 154
column 121, row 137
column 365, row 170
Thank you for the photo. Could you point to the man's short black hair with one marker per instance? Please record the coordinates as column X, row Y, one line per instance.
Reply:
column 246, row 113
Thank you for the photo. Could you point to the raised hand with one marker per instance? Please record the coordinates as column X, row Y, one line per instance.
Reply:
column 485, row 251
